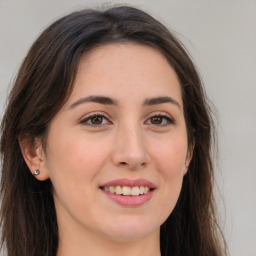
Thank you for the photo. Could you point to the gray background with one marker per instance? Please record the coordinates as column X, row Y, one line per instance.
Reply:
column 221, row 38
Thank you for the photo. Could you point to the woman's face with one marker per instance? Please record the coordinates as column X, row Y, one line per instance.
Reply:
column 117, row 151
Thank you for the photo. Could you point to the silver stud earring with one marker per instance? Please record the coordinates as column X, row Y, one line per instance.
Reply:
column 37, row 172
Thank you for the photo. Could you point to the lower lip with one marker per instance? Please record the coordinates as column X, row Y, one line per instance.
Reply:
column 130, row 200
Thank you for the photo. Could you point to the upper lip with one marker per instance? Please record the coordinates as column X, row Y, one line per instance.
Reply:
column 129, row 183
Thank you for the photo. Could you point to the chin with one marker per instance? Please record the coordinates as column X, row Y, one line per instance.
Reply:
column 132, row 229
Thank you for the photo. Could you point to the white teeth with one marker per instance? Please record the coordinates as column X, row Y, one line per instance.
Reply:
column 112, row 189
column 127, row 191
column 135, row 191
column 106, row 189
column 118, row 190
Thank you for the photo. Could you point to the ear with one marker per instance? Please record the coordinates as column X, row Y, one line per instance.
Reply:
column 188, row 157
column 34, row 156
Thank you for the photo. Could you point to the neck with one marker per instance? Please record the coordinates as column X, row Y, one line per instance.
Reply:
column 71, row 244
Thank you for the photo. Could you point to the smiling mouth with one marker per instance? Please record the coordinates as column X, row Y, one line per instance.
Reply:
column 126, row 190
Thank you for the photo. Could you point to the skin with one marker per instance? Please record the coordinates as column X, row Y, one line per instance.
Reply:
column 83, row 153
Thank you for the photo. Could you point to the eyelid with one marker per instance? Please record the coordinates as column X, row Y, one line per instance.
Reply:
column 170, row 119
column 91, row 115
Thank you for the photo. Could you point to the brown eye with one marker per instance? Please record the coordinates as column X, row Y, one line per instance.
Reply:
column 160, row 120
column 156, row 120
column 97, row 120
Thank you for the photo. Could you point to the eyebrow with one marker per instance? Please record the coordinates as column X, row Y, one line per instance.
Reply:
column 109, row 101
column 97, row 99
column 161, row 100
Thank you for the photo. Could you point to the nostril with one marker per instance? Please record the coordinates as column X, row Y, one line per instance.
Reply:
column 132, row 164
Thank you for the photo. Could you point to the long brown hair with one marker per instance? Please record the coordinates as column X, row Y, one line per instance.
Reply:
column 44, row 82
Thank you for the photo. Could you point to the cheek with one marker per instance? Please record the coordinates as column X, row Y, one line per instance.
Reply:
column 75, row 158
column 170, row 156
column 170, row 160
column 73, row 163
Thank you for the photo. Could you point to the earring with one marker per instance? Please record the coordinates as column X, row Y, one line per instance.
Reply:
column 37, row 172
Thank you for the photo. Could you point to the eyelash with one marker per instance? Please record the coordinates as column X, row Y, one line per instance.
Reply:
column 86, row 120
column 89, row 118
column 168, row 120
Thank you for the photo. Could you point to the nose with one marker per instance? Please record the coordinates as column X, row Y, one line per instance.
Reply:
column 130, row 149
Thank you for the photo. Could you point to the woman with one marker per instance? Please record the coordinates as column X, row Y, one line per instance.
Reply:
column 106, row 143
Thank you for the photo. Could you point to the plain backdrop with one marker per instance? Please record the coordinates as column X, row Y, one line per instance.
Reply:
column 221, row 38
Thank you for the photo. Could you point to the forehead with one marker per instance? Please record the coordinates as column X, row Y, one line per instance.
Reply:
column 125, row 69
